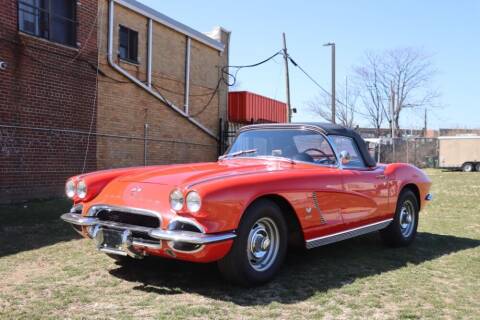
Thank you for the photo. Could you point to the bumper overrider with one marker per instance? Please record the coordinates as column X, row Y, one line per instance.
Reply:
column 129, row 243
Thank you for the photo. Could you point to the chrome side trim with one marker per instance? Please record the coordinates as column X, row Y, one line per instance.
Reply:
column 347, row 234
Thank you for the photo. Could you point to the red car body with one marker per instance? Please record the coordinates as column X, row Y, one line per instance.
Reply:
column 321, row 204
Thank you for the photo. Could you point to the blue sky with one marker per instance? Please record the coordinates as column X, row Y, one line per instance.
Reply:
column 449, row 30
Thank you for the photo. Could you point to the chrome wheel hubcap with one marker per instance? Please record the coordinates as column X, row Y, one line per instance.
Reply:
column 263, row 244
column 407, row 218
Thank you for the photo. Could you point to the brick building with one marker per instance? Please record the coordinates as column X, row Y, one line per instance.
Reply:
column 100, row 84
column 47, row 95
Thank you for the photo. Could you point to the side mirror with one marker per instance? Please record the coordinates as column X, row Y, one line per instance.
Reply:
column 345, row 157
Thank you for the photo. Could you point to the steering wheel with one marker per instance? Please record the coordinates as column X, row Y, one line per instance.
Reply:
column 322, row 153
column 318, row 150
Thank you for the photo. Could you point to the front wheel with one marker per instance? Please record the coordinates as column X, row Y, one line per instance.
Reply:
column 403, row 229
column 260, row 247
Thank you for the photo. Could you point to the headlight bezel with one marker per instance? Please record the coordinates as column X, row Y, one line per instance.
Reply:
column 71, row 188
column 176, row 199
column 193, row 201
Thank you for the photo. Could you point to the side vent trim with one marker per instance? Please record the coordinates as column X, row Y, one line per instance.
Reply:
column 315, row 202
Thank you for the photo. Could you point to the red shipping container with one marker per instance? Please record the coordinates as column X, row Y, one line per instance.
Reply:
column 248, row 107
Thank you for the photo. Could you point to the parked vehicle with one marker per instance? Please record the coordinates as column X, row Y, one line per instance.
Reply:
column 459, row 152
column 304, row 184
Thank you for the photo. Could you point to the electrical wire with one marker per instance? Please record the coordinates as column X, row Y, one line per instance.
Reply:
column 322, row 88
column 225, row 77
column 234, row 76
column 84, row 45
column 94, row 105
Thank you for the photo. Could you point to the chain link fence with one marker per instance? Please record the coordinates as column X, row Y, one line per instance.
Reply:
column 421, row 152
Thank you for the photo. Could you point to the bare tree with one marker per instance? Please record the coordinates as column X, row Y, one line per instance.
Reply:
column 345, row 108
column 370, row 85
column 404, row 75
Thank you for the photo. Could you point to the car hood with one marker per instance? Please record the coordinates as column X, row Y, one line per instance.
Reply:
column 192, row 174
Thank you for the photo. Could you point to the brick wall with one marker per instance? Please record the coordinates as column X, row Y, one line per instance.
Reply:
column 124, row 108
column 47, row 96
column 48, row 102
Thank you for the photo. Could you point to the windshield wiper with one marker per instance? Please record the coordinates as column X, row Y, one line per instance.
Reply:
column 237, row 153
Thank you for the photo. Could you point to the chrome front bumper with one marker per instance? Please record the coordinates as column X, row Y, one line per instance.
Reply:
column 177, row 236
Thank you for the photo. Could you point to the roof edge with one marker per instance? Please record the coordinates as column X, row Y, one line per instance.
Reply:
column 171, row 23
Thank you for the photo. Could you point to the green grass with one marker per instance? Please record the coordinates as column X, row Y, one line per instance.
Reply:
column 46, row 271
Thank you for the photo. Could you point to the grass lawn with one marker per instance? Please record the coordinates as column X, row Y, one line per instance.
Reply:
column 46, row 271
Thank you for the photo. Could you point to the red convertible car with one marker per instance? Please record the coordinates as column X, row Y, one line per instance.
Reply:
column 307, row 184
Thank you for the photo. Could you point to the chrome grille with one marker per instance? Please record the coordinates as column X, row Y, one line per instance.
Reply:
column 129, row 218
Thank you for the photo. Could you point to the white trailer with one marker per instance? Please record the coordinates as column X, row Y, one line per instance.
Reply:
column 459, row 152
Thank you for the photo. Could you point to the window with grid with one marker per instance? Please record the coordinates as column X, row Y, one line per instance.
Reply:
column 50, row 19
column 128, row 44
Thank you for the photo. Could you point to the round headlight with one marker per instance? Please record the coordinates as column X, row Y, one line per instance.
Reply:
column 70, row 189
column 81, row 189
column 194, row 202
column 176, row 200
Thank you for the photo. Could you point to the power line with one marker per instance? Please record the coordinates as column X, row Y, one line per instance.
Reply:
column 323, row 89
column 94, row 105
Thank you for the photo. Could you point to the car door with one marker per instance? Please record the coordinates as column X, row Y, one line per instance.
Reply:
column 319, row 203
column 366, row 189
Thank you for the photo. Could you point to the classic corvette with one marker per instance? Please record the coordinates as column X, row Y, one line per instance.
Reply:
column 278, row 186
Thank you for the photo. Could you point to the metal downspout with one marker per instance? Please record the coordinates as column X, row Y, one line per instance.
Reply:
column 149, row 61
column 115, row 66
column 187, row 74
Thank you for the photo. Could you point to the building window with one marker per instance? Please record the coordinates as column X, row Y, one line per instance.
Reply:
column 128, row 44
column 50, row 19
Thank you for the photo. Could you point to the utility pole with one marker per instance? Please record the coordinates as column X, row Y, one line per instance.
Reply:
column 332, row 45
column 425, row 124
column 287, row 79
column 392, row 116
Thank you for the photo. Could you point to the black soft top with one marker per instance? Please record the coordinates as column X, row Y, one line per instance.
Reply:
column 331, row 129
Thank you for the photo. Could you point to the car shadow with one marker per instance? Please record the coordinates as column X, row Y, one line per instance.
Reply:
column 33, row 225
column 304, row 272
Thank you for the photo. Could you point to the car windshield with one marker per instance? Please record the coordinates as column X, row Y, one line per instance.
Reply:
column 297, row 145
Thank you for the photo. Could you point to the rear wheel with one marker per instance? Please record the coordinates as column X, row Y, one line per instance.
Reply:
column 403, row 229
column 467, row 167
column 260, row 247
column 477, row 167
